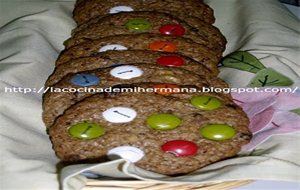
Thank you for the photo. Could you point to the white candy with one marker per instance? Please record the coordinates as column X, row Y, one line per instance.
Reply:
column 119, row 9
column 117, row 47
column 129, row 153
column 126, row 72
column 119, row 114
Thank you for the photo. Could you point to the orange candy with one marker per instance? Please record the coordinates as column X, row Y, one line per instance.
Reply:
column 166, row 89
column 163, row 46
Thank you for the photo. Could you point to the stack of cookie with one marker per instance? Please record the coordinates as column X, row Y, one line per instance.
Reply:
column 154, row 57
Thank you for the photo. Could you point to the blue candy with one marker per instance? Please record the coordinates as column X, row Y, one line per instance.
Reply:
column 85, row 80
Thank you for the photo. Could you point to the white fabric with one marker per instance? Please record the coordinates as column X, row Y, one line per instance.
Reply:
column 31, row 37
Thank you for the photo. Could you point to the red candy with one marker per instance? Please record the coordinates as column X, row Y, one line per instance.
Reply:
column 180, row 148
column 170, row 61
column 172, row 30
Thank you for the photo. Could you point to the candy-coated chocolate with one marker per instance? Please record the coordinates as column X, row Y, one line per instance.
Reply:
column 126, row 72
column 115, row 47
column 166, row 89
column 180, row 148
column 170, row 60
column 85, row 80
column 206, row 102
column 118, row 9
column 164, row 46
column 163, row 121
column 138, row 25
column 119, row 114
column 130, row 153
column 217, row 132
column 172, row 30
column 86, row 131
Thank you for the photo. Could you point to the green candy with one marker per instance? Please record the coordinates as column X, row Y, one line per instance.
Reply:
column 138, row 25
column 86, row 131
column 217, row 132
column 206, row 102
column 163, row 121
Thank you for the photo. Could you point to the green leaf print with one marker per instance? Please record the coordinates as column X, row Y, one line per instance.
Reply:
column 244, row 61
column 270, row 77
column 296, row 111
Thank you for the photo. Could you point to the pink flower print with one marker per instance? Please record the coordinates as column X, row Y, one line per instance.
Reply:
column 270, row 114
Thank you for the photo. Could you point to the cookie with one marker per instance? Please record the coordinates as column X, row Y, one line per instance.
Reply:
column 54, row 103
column 183, row 9
column 154, row 42
column 111, row 58
column 158, row 133
column 132, row 83
column 149, row 22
